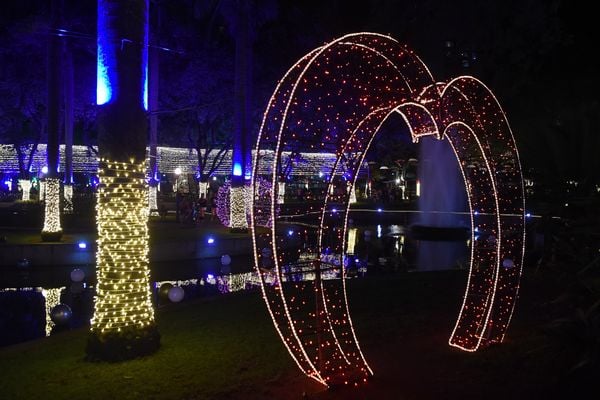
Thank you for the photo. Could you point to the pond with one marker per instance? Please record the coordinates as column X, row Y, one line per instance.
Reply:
column 36, row 302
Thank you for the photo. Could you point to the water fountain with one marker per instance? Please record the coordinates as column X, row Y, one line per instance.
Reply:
column 441, row 226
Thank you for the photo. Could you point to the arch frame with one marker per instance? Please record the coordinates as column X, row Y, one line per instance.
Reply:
column 452, row 111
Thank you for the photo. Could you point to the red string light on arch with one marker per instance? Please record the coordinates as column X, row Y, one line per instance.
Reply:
column 334, row 100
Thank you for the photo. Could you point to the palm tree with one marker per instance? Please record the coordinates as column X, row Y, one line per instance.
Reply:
column 243, row 18
column 52, row 230
column 69, row 121
column 123, row 325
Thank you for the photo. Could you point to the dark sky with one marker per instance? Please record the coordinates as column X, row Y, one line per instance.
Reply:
column 538, row 56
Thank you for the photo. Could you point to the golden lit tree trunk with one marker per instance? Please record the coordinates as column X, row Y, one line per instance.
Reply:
column 52, row 230
column 123, row 326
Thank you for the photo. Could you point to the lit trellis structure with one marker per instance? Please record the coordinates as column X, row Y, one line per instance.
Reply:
column 85, row 161
column 334, row 100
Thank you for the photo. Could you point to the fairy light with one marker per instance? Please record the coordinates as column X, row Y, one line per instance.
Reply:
column 25, row 185
column 352, row 193
column 68, row 197
column 42, row 191
column 202, row 189
column 123, row 297
column 261, row 203
column 153, row 200
column 168, row 158
column 52, row 207
column 237, row 208
column 281, row 192
column 335, row 100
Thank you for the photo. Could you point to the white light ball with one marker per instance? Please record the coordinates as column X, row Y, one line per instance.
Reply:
column 77, row 275
column 176, row 294
column 508, row 263
column 225, row 259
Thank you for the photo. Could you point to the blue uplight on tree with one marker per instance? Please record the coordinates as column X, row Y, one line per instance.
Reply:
column 107, row 83
column 237, row 169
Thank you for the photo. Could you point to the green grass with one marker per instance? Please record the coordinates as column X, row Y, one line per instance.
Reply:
column 227, row 348
column 204, row 354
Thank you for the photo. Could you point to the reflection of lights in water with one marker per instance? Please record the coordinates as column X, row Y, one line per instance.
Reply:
column 301, row 271
column 52, row 297
column 378, row 231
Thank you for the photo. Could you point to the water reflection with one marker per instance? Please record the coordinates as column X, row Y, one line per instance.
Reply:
column 370, row 249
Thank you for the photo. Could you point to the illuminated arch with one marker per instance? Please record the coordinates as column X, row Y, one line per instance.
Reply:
column 335, row 99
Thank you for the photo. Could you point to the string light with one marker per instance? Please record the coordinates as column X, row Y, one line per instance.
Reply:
column 42, row 191
column 153, row 200
column 68, row 197
column 334, row 100
column 123, row 297
column 237, row 207
column 262, row 203
column 25, row 185
column 52, row 229
column 281, row 192
column 202, row 189
column 168, row 159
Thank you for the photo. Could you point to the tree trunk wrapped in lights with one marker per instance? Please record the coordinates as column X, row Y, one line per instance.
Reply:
column 280, row 192
column 42, row 190
column 69, row 118
column 153, row 199
column 123, row 326
column 68, row 197
column 237, row 208
column 26, row 189
column 52, row 230
column 124, row 310
column 203, row 189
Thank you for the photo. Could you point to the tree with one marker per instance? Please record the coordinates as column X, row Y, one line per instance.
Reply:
column 243, row 18
column 212, row 144
column 123, row 325
column 52, row 230
column 22, row 88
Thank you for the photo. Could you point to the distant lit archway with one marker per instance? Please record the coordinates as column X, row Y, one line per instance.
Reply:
column 334, row 100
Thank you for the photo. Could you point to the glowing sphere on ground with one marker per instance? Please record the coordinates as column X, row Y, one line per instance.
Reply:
column 225, row 259
column 61, row 314
column 163, row 291
column 176, row 294
column 77, row 275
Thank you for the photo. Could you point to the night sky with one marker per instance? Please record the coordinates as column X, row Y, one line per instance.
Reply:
column 534, row 54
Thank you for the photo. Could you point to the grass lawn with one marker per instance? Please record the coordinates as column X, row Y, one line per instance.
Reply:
column 226, row 348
